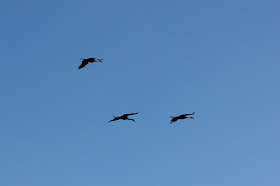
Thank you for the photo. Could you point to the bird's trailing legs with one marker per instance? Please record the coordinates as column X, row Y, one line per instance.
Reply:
column 130, row 119
column 189, row 117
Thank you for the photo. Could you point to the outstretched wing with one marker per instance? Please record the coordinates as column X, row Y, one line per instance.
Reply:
column 174, row 119
column 125, row 115
column 116, row 118
column 84, row 63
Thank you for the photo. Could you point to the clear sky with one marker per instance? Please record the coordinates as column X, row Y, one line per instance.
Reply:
column 217, row 58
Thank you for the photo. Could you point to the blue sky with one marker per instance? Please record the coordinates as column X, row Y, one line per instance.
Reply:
column 217, row 58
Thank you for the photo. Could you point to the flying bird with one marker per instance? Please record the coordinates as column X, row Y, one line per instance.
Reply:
column 89, row 60
column 124, row 117
column 183, row 116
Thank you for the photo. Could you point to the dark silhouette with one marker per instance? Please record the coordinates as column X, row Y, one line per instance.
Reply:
column 124, row 117
column 183, row 116
column 89, row 60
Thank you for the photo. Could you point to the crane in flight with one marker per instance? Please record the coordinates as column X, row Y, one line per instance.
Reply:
column 89, row 60
column 183, row 116
column 124, row 117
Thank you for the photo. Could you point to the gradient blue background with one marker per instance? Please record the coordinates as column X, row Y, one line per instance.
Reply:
column 218, row 58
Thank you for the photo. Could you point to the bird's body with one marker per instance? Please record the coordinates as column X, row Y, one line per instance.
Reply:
column 89, row 60
column 124, row 117
column 183, row 116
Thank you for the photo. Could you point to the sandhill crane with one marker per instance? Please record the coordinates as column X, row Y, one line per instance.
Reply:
column 183, row 116
column 89, row 60
column 124, row 117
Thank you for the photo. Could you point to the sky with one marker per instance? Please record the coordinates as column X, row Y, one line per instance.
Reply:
column 218, row 58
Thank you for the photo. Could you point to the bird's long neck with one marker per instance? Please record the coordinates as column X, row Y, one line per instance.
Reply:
column 97, row 60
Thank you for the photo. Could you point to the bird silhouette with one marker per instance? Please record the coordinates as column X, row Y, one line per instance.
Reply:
column 89, row 60
column 124, row 117
column 183, row 116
